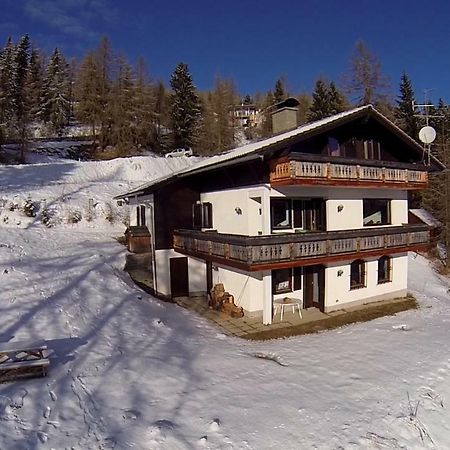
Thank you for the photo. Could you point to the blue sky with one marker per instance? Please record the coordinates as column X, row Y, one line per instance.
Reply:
column 252, row 41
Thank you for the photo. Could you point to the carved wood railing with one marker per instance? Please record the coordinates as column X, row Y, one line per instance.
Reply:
column 333, row 173
column 258, row 250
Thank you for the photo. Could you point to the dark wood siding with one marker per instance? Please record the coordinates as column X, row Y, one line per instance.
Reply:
column 174, row 202
column 173, row 209
column 351, row 137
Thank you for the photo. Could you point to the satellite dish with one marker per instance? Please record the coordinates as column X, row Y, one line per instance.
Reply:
column 427, row 135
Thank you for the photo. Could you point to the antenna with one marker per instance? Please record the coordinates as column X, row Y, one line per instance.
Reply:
column 427, row 134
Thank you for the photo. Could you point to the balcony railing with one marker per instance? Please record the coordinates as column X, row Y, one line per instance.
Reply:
column 254, row 252
column 310, row 172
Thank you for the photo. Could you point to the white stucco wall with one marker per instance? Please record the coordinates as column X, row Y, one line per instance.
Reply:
column 148, row 202
column 350, row 215
column 246, row 287
column 337, row 288
column 196, row 272
column 236, row 211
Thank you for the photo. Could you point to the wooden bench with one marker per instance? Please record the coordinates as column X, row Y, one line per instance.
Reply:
column 22, row 360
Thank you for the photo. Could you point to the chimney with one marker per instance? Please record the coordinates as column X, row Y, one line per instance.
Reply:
column 284, row 117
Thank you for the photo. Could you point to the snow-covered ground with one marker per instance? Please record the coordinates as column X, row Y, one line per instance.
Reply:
column 128, row 371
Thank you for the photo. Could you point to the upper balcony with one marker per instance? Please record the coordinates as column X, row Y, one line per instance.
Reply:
column 305, row 170
column 255, row 253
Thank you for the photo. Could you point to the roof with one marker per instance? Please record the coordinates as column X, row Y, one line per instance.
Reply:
column 255, row 150
column 426, row 217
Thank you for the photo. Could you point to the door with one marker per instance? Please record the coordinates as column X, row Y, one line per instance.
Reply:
column 179, row 279
column 314, row 289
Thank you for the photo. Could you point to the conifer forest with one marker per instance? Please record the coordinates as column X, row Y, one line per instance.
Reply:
column 124, row 111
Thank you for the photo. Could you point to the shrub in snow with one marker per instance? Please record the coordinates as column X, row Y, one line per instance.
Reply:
column 46, row 217
column 13, row 206
column 89, row 214
column 73, row 215
column 108, row 212
column 29, row 208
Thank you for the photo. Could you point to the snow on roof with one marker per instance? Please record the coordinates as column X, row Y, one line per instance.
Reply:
column 251, row 151
column 426, row 217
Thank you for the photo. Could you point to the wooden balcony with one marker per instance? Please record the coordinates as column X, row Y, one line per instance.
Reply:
column 255, row 253
column 341, row 174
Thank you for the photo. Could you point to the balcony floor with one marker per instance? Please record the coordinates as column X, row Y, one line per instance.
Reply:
column 313, row 320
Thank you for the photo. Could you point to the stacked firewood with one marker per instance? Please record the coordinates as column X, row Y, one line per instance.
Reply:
column 223, row 301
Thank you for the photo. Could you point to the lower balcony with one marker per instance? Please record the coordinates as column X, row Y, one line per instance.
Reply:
column 253, row 253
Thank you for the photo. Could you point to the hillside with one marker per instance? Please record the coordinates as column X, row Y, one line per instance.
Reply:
column 128, row 371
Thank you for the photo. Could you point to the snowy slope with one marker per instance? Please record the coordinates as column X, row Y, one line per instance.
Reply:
column 128, row 371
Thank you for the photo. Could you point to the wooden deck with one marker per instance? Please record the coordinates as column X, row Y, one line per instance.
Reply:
column 306, row 172
column 253, row 253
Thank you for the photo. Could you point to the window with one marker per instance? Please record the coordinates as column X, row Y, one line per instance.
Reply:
column 282, row 281
column 140, row 216
column 372, row 149
column 202, row 215
column 281, row 214
column 307, row 214
column 286, row 280
column 376, row 211
column 384, row 269
column 357, row 274
column 334, row 148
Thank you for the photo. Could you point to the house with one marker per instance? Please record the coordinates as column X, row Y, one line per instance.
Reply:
column 317, row 213
column 246, row 116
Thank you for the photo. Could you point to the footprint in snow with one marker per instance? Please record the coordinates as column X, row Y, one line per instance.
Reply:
column 131, row 414
column 47, row 412
column 43, row 437
column 53, row 423
column 17, row 398
column 214, row 426
column 427, row 393
column 158, row 323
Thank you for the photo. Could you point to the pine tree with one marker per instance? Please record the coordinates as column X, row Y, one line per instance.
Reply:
column 55, row 105
column 88, row 93
column 185, row 109
column 327, row 100
column 161, row 112
column 366, row 80
column 267, row 107
column 105, row 56
column 247, row 100
column 217, row 127
column 7, row 89
column 404, row 112
column 320, row 106
column 338, row 102
column 305, row 102
column 35, row 82
column 144, row 107
column 279, row 93
column 122, row 129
